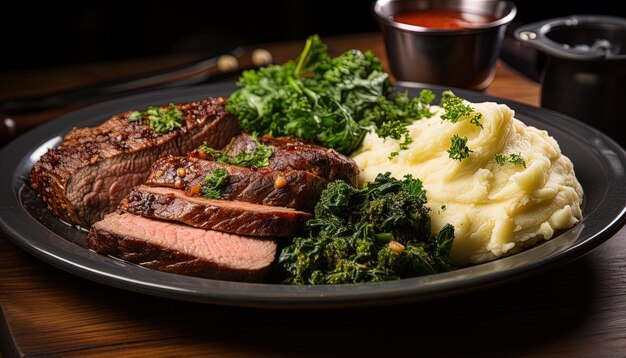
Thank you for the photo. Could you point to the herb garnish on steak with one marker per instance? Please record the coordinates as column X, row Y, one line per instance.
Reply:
column 90, row 172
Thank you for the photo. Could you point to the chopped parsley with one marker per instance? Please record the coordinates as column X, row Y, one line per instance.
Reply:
column 458, row 148
column 455, row 108
column 396, row 130
column 214, row 183
column 513, row 158
column 258, row 157
column 161, row 120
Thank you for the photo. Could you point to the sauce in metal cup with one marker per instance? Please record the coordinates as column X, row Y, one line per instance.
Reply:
column 462, row 57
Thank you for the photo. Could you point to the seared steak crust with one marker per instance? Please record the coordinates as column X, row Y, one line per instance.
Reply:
column 88, row 174
column 182, row 249
column 301, row 191
column 294, row 154
column 234, row 217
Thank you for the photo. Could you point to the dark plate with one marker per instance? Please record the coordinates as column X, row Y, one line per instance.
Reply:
column 599, row 162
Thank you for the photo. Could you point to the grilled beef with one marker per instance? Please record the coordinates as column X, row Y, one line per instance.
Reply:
column 294, row 154
column 88, row 174
column 182, row 249
column 297, row 189
column 234, row 217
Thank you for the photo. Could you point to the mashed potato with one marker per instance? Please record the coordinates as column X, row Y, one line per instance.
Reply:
column 496, row 209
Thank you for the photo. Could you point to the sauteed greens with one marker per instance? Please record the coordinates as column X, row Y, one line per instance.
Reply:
column 378, row 233
column 332, row 101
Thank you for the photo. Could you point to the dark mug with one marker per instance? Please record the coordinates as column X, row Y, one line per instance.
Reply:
column 585, row 71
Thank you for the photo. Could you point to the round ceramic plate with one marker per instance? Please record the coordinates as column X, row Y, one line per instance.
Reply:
column 600, row 165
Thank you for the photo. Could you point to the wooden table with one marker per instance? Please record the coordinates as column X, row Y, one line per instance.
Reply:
column 578, row 310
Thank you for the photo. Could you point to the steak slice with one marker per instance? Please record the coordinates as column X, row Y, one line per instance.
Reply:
column 90, row 172
column 294, row 154
column 235, row 217
column 182, row 249
column 301, row 189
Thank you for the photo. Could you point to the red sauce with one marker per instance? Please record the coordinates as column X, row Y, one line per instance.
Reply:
column 442, row 18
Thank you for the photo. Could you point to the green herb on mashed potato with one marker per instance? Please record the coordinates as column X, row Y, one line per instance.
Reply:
column 458, row 148
column 377, row 233
column 512, row 158
column 456, row 108
column 331, row 101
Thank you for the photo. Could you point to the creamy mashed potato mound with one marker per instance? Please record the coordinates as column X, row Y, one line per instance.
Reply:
column 496, row 209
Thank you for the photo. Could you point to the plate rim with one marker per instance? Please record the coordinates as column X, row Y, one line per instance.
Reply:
column 48, row 248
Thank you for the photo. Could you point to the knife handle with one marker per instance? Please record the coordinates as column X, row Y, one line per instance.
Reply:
column 22, row 114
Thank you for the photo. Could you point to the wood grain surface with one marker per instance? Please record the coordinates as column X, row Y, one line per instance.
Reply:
column 576, row 310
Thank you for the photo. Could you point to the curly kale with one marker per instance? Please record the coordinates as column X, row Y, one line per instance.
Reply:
column 378, row 233
column 330, row 100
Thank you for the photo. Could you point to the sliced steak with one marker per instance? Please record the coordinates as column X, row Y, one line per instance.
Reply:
column 294, row 154
column 235, row 217
column 182, row 249
column 88, row 174
column 297, row 189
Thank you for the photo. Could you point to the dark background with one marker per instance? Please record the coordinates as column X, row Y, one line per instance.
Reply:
column 48, row 35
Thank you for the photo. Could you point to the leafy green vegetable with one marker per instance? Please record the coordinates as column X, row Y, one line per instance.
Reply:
column 458, row 149
column 213, row 183
column 512, row 158
column 258, row 157
column 381, row 232
column 332, row 101
column 161, row 120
